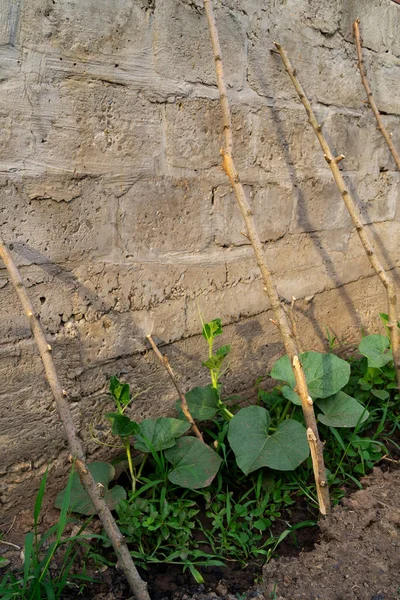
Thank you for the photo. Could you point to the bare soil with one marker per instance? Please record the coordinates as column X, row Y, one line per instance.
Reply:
column 358, row 555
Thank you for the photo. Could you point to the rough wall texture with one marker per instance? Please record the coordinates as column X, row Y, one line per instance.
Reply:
column 122, row 220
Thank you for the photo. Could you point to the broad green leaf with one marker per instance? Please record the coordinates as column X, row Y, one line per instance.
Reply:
column 326, row 374
column 202, row 403
column 212, row 329
column 268, row 398
column 119, row 391
column 3, row 562
column 381, row 394
column 114, row 496
column 103, row 473
column 161, row 433
column 341, row 410
column 282, row 370
column 291, row 395
column 376, row 348
column 248, row 436
column 122, row 425
column 195, row 464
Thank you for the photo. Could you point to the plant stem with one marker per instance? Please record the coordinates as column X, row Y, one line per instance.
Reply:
column 139, row 473
column 285, row 411
column 214, row 379
column 370, row 97
column 226, row 412
column 350, row 203
column 254, row 238
column 130, row 465
column 137, row 585
column 185, row 409
column 213, row 374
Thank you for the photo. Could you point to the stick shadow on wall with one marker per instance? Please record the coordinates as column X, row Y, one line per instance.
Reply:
column 390, row 261
column 91, row 298
column 306, row 223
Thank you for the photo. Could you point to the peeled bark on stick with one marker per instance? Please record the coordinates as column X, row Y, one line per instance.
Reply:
column 370, row 97
column 137, row 585
column 269, row 284
column 185, row 409
column 351, row 206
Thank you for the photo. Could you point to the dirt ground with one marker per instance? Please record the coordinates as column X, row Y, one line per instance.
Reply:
column 358, row 555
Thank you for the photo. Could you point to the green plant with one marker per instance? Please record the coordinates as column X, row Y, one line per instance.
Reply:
column 331, row 338
column 254, row 439
column 373, row 383
column 161, row 530
column 77, row 497
column 255, row 461
column 326, row 375
column 37, row 579
column 237, row 527
column 272, row 594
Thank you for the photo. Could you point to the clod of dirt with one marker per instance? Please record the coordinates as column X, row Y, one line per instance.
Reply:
column 358, row 557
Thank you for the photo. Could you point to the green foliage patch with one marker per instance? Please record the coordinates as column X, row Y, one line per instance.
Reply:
column 254, row 464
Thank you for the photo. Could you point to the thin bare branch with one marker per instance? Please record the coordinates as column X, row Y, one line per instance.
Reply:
column 370, row 97
column 185, row 409
column 351, row 206
column 254, row 238
column 10, row 544
column 295, row 333
column 138, row 586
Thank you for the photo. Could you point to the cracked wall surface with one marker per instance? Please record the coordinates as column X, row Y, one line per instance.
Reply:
column 122, row 220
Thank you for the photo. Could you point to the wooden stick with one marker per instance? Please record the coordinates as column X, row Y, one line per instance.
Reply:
column 252, row 233
column 138, row 586
column 350, row 203
column 185, row 409
column 388, row 459
column 313, row 448
column 370, row 97
column 290, row 312
column 312, row 440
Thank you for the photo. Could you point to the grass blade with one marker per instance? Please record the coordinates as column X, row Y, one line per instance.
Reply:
column 36, row 511
column 49, row 590
column 39, row 499
column 62, row 522
column 28, row 550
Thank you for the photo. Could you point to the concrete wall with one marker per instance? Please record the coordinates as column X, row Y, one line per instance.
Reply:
column 121, row 218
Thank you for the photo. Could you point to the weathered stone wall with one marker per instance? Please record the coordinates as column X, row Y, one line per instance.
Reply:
column 121, row 218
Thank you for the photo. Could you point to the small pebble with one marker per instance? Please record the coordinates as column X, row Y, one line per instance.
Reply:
column 221, row 589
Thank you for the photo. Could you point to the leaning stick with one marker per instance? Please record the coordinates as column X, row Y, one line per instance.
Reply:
column 371, row 99
column 351, row 207
column 185, row 409
column 138, row 586
column 293, row 323
column 269, row 284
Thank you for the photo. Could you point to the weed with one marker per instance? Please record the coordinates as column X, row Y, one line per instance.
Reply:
column 272, row 594
column 331, row 338
column 37, row 580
